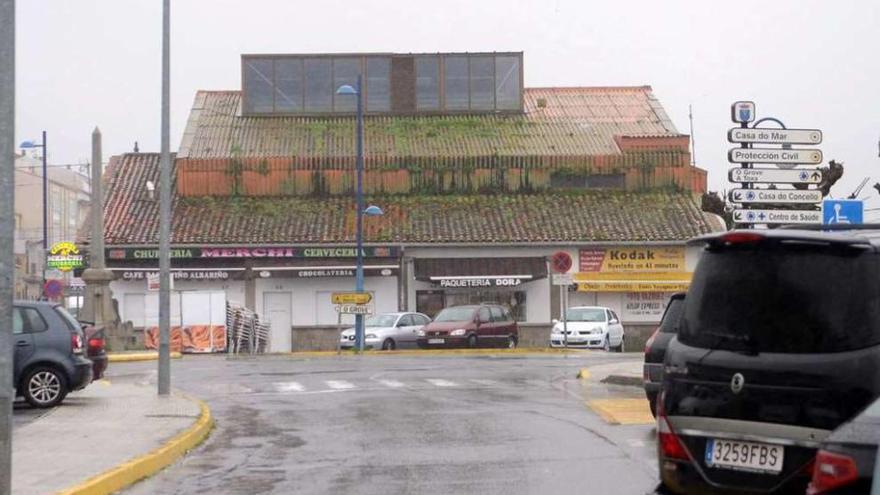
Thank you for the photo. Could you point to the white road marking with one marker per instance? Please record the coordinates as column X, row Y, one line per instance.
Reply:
column 636, row 443
column 339, row 384
column 392, row 383
column 289, row 387
column 485, row 383
column 440, row 383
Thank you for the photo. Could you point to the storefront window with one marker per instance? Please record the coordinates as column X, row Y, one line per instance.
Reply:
column 430, row 302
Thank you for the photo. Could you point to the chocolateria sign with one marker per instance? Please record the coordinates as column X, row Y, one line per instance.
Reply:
column 203, row 253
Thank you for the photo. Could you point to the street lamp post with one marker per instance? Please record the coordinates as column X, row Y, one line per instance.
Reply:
column 347, row 89
column 32, row 145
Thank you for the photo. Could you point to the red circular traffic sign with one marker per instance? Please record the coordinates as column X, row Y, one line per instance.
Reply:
column 560, row 262
column 53, row 288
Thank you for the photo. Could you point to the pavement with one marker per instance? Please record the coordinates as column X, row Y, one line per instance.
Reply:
column 110, row 431
column 494, row 423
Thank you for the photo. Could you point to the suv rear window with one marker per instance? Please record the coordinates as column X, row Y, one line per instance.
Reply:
column 672, row 316
column 785, row 298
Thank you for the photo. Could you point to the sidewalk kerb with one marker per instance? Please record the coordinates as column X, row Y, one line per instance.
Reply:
column 148, row 464
column 138, row 356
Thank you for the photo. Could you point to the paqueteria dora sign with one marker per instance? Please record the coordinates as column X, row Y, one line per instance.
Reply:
column 259, row 252
column 64, row 256
column 633, row 269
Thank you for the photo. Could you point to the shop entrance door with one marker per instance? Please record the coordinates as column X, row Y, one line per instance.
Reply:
column 277, row 307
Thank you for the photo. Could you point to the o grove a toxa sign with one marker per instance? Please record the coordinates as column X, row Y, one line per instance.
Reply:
column 773, row 175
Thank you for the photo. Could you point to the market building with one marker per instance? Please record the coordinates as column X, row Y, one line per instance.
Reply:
column 479, row 179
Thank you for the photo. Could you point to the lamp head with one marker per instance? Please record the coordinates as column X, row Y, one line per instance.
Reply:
column 346, row 89
column 373, row 211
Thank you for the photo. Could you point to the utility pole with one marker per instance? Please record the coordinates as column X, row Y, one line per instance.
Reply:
column 7, row 234
column 165, row 212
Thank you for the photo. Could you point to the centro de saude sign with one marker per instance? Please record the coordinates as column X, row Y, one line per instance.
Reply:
column 151, row 253
column 811, row 196
column 774, row 175
column 777, row 216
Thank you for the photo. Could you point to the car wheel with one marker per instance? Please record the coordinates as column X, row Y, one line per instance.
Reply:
column 472, row 341
column 44, row 387
column 606, row 346
column 653, row 405
column 511, row 342
column 388, row 345
column 620, row 348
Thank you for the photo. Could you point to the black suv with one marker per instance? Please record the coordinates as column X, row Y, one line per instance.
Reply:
column 48, row 360
column 779, row 345
column 655, row 349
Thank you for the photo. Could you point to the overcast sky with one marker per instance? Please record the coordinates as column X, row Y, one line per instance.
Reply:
column 811, row 63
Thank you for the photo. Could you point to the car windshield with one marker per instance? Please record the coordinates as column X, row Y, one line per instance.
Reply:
column 596, row 315
column 381, row 321
column 792, row 298
column 465, row 313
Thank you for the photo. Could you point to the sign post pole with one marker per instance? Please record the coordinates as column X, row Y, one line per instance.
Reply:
column 7, row 235
column 564, row 290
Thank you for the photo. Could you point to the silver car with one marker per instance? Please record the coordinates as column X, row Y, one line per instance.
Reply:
column 387, row 331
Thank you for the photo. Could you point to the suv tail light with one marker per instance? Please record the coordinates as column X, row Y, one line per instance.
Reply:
column 831, row 471
column 650, row 341
column 741, row 238
column 670, row 445
column 76, row 343
column 96, row 344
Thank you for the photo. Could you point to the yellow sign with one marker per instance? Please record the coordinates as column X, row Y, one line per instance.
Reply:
column 633, row 259
column 64, row 256
column 633, row 269
column 351, row 297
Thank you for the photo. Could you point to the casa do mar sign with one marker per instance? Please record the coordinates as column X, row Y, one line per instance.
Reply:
column 787, row 196
column 773, row 175
column 64, row 256
column 774, row 136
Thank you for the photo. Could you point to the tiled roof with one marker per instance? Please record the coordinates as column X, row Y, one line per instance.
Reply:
column 557, row 121
column 132, row 218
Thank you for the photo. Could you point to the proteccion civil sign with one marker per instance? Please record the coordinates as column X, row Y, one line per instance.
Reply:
column 774, row 155
column 777, row 216
column 812, row 196
column 772, row 175
column 774, row 136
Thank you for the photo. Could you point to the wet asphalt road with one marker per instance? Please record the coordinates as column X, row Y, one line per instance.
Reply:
column 403, row 424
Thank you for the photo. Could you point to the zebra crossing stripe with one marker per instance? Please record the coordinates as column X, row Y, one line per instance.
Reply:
column 289, row 387
column 440, row 383
column 339, row 384
column 392, row 383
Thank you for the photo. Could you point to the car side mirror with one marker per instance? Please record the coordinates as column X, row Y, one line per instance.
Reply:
column 613, row 321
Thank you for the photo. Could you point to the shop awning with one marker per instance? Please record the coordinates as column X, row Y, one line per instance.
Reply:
column 433, row 269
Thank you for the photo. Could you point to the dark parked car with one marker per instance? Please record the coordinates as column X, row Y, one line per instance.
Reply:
column 484, row 325
column 48, row 360
column 655, row 348
column 846, row 461
column 95, row 349
column 777, row 347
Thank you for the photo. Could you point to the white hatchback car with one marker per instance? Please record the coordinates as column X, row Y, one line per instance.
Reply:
column 387, row 331
column 592, row 327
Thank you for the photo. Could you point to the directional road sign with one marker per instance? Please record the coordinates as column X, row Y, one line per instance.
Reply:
column 842, row 211
column 563, row 279
column 772, row 175
column 811, row 196
column 774, row 136
column 777, row 216
column 351, row 297
column 775, row 155
column 354, row 309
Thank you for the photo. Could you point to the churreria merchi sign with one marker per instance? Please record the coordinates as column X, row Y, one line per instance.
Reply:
column 151, row 253
column 64, row 256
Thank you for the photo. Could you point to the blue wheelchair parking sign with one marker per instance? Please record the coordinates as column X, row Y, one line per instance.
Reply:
column 842, row 211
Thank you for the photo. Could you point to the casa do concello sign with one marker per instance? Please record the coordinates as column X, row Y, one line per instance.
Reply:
column 773, row 204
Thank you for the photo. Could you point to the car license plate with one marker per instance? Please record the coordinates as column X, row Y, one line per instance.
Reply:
column 436, row 341
column 745, row 456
